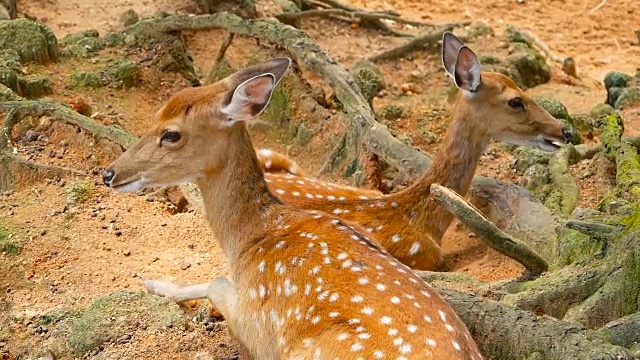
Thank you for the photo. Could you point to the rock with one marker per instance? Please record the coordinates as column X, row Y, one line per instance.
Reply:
column 111, row 317
column 31, row 40
column 84, row 79
column 537, row 180
column 629, row 98
column 82, row 44
column 616, row 79
column 6, row 94
column 613, row 94
column 79, row 192
column 123, row 73
column 31, row 135
column 525, row 157
column 390, row 112
column 129, row 17
column 559, row 111
column 185, row 265
column 35, row 87
column 601, row 111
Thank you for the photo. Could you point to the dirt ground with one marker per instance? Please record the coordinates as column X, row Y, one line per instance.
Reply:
column 74, row 254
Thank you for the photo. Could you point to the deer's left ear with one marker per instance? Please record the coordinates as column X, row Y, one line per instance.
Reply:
column 250, row 98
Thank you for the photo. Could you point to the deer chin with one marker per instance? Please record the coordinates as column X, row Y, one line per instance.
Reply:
column 548, row 145
column 131, row 186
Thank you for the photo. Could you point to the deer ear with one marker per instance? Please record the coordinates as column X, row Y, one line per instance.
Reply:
column 252, row 95
column 450, row 47
column 467, row 70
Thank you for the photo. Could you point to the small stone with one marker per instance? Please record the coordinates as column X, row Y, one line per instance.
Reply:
column 124, row 339
column 118, row 233
column 43, row 232
column 31, row 135
column 185, row 265
column 150, row 198
column 126, row 252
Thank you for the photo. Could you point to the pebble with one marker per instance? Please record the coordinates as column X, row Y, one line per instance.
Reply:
column 126, row 252
column 124, row 339
column 185, row 265
column 118, row 233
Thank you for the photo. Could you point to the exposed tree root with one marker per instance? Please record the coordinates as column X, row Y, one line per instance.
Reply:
column 429, row 40
column 487, row 231
column 568, row 63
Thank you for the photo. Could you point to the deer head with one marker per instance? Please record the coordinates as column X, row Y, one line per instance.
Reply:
column 509, row 115
column 175, row 150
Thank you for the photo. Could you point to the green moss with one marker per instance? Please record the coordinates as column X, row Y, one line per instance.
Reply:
column 390, row 112
column 616, row 79
column 278, row 110
column 7, row 94
column 369, row 79
column 79, row 192
column 31, row 40
column 85, row 79
column 123, row 73
column 575, row 247
column 629, row 98
column 613, row 94
column 303, row 135
column 601, row 111
column 531, row 66
column 8, row 244
column 525, row 157
column 114, row 315
column 10, row 69
column 35, row 87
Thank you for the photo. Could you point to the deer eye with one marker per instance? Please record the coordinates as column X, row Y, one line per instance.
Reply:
column 170, row 136
column 516, row 103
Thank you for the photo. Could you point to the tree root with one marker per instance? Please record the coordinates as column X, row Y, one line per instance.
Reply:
column 625, row 156
column 624, row 331
column 568, row 63
column 504, row 332
column 428, row 40
column 488, row 232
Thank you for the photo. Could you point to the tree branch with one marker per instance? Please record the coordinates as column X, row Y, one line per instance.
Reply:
column 488, row 232
column 431, row 39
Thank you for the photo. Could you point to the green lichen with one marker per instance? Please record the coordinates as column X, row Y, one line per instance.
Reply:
column 35, row 86
column 114, row 315
column 85, row 79
column 10, row 69
column 369, row 79
column 525, row 157
column 537, row 179
column 8, row 244
column 613, row 94
column 390, row 112
column 7, row 94
column 576, row 248
column 31, row 40
column 82, row 44
column 601, row 111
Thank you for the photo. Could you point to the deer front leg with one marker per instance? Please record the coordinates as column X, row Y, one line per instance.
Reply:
column 220, row 292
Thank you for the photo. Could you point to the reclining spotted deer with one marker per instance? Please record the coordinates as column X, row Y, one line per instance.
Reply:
column 301, row 285
column 409, row 223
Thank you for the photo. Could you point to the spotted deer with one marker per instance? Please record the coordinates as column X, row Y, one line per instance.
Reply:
column 409, row 223
column 301, row 285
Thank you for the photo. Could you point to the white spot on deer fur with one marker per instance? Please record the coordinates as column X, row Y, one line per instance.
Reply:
column 417, row 305
column 337, row 211
column 432, row 342
column 356, row 299
column 381, row 287
column 398, row 341
column 443, row 316
column 280, row 244
column 356, row 347
column 307, row 342
column 280, row 191
column 395, row 300
column 307, row 289
column 253, row 294
column 427, row 318
column 334, row 314
column 295, row 193
column 449, row 327
column 261, row 266
column 405, row 349
column 342, row 198
column 385, row 320
column 300, row 182
column 315, row 270
column 378, row 354
column 395, row 238
column 363, row 280
column 412, row 328
column 362, row 197
column 378, row 267
column 262, row 290
column 315, row 320
column 425, row 293
column 323, row 295
column 310, row 196
column 456, row 345
column 364, row 336
column 414, row 248
column 367, row 310
column 342, row 256
column 356, row 268
column 360, row 329
column 413, row 280
column 333, row 297
column 396, row 282
column 267, row 164
column 331, row 197
column 343, row 337
column 318, row 196
column 392, row 332
column 327, row 260
column 354, row 321
column 346, row 263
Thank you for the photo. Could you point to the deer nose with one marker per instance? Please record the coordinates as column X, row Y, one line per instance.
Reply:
column 107, row 176
column 568, row 133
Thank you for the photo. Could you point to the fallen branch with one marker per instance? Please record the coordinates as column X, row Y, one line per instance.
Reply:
column 363, row 15
column 226, row 42
column 594, row 230
column 598, row 7
column 431, row 39
column 487, row 231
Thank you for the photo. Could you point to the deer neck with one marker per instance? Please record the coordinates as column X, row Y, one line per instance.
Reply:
column 236, row 199
column 454, row 168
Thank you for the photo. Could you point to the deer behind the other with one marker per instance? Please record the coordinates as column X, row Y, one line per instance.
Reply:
column 302, row 285
column 410, row 224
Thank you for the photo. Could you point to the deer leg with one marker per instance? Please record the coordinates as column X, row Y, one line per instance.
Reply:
column 220, row 292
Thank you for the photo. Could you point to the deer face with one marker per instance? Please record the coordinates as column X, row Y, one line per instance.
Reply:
column 495, row 101
column 194, row 128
